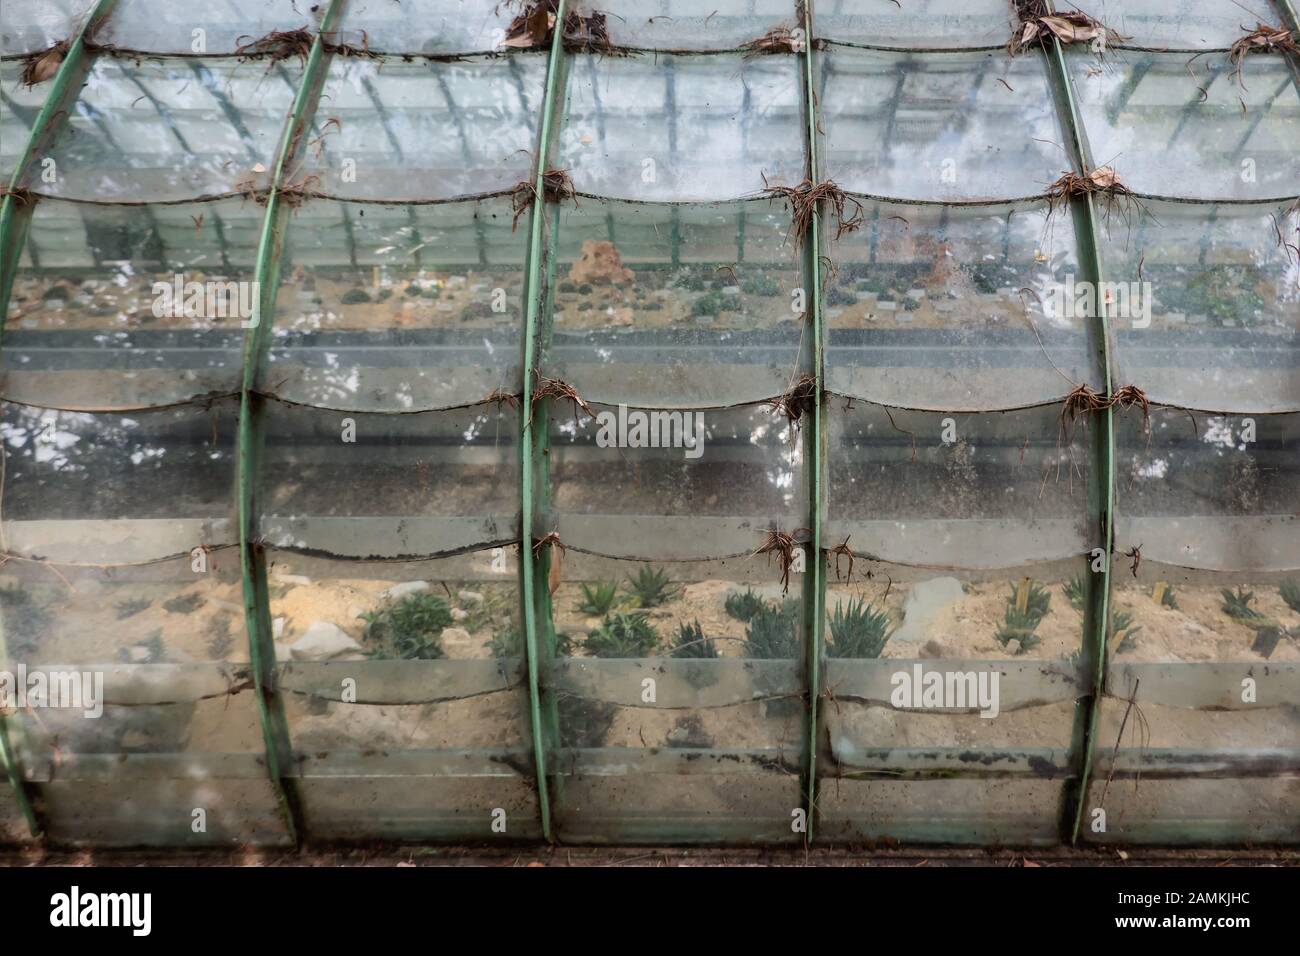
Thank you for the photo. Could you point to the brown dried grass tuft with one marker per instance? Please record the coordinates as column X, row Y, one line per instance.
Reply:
column 782, row 545
column 351, row 49
column 42, row 65
column 554, row 388
column 842, row 550
column 1037, row 23
column 779, row 39
column 1102, row 181
column 552, row 539
column 532, row 26
column 1262, row 39
column 803, row 200
column 501, row 398
column 21, row 195
column 1130, row 396
column 589, row 35
column 799, row 398
column 276, row 46
column 557, row 186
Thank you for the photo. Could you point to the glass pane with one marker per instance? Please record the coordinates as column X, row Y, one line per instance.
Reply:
column 1217, row 323
column 966, row 307
column 435, row 739
column 682, row 127
column 688, row 24
column 173, row 129
column 1216, row 492
column 118, row 488
column 1192, row 131
column 711, row 485
column 430, row 27
column 39, row 24
column 389, row 129
column 673, row 306
column 959, row 490
column 18, row 109
column 163, row 26
column 1183, row 24
column 921, row 23
column 131, row 306
column 714, row 754
column 939, row 126
column 398, row 308
column 390, row 486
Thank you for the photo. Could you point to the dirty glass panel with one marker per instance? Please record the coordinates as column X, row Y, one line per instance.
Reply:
column 132, row 306
column 1215, row 492
column 173, row 129
column 687, row 24
column 13, row 827
column 926, row 23
column 1182, row 24
column 1192, row 132
column 681, row 485
column 682, row 127
column 675, row 698
column 430, row 27
column 1212, row 670
column 965, row 307
column 164, row 26
column 398, row 308
column 951, row 700
column 433, row 736
column 18, row 108
column 942, row 126
column 389, row 486
column 31, row 25
column 958, row 490
column 118, row 488
column 673, row 306
column 1217, row 319
column 389, row 129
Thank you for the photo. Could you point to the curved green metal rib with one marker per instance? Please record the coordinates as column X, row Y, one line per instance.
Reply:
column 15, row 219
column 1101, row 493
column 257, row 612
column 815, row 578
column 531, row 567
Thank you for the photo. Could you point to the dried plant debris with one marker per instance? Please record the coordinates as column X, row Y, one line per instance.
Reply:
column 1130, row 396
column 799, row 398
column 1102, row 181
column 1262, row 39
column 1084, row 400
column 533, row 26
column 1037, row 23
column 782, row 544
column 589, row 35
column 557, row 186
column 803, row 200
column 22, row 196
column 343, row 48
column 779, row 39
column 842, row 550
column 43, row 64
column 276, row 46
column 554, row 388
column 501, row 398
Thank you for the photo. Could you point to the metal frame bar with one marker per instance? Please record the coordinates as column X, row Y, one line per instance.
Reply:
column 261, row 647
column 15, row 219
column 815, row 578
column 1101, row 492
column 531, row 457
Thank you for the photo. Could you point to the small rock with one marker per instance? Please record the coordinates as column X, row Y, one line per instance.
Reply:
column 933, row 649
column 469, row 597
column 459, row 614
column 277, row 628
column 139, row 654
column 925, row 602
column 323, row 641
column 455, row 637
column 299, row 579
column 405, row 588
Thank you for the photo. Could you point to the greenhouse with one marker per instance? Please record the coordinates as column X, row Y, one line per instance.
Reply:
column 742, row 422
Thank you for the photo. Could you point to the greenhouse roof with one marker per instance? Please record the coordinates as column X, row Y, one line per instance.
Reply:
column 553, row 420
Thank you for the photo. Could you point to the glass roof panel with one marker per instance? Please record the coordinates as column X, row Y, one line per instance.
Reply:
column 927, row 24
column 689, row 24
column 1183, row 24
column 165, row 26
column 31, row 25
column 432, row 27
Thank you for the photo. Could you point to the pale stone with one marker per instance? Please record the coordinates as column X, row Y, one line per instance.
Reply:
column 323, row 641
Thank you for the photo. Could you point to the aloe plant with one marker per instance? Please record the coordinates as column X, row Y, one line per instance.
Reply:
column 651, row 587
column 859, row 630
column 411, row 627
column 773, row 632
column 598, row 600
column 1290, row 589
column 623, row 635
column 1019, row 626
column 1121, row 625
column 1075, row 589
column 742, row 606
column 691, row 642
column 1237, row 605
